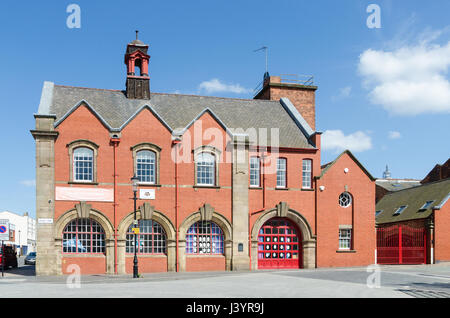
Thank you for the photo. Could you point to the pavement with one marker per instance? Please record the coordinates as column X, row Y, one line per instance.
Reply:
column 401, row 281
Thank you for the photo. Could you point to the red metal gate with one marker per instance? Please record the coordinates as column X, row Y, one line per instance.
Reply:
column 279, row 245
column 401, row 244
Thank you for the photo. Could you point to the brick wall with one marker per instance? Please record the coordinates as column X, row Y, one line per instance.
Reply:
column 442, row 233
column 302, row 97
column 360, row 215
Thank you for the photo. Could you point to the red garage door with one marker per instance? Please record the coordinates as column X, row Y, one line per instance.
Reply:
column 401, row 244
column 279, row 245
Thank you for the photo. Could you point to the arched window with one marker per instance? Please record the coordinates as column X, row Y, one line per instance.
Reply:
column 206, row 169
column 83, row 236
column 83, row 165
column 204, row 237
column 151, row 238
column 146, row 166
column 345, row 199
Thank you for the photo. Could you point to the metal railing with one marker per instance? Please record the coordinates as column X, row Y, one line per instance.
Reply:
column 307, row 80
column 297, row 79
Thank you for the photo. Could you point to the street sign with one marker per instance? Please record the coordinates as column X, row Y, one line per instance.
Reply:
column 4, row 230
column 147, row 194
column 135, row 230
column 45, row 221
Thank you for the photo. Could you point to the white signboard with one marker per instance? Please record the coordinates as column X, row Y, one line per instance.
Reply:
column 45, row 221
column 4, row 230
column 147, row 194
column 84, row 194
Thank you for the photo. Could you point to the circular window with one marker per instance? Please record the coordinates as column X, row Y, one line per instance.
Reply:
column 345, row 200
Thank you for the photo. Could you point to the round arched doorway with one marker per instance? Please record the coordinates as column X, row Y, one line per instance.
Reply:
column 279, row 245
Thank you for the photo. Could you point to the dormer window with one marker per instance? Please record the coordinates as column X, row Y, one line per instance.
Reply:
column 400, row 210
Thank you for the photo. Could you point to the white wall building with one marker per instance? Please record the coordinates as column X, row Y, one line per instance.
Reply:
column 25, row 230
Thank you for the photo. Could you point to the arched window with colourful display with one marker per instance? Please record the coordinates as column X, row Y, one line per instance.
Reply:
column 205, row 237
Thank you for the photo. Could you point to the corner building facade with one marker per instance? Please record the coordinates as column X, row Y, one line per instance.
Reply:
column 224, row 184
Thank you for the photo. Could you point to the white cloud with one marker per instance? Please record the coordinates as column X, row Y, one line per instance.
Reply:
column 409, row 80
column 216, row 86
column 394, row 135
column 337, row 141
column 28, row 183
column 343, row 93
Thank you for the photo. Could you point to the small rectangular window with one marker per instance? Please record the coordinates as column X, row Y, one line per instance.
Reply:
column 426, row 205
column 306, row 173
column 255, row 172
column 378, row 212
column 400, row 210
column 281, row 173
column 345, row 239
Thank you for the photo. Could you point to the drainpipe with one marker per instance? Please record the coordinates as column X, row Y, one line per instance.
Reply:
column 115, row 142
column 315, row 216
column 175, row 143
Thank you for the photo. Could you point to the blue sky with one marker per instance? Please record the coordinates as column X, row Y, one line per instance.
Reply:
column 384, row 93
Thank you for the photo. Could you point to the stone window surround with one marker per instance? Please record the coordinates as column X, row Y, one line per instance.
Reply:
column 83, row 143
column 214, row 152
column 147, row 146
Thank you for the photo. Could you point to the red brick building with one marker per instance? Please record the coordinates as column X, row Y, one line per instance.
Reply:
column 224, row 184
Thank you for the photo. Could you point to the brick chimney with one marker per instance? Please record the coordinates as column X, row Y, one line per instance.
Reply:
column 300, row 93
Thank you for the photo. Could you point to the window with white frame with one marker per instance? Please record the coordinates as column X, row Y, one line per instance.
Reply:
column 306, row 174
column 255, row 172
column 206, row 169
column 345, row 200
column 345, row 239
column 150, row 240
column 281, row 173
column 204, row 237
column 83, row 165
column 146, row 166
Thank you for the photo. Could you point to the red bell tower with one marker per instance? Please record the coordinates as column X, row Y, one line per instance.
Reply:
column 138, row 83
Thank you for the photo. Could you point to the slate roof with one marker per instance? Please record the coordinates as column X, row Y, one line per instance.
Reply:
column 178, row 111
column 414, row 198
column 392, row 185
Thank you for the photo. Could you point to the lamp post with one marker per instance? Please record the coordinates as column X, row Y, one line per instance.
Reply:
column 134, row 182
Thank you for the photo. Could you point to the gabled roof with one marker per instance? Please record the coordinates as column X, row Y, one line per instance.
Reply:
column 328, row 165
column 177, row 112
column 392, row 185
column 414, row 198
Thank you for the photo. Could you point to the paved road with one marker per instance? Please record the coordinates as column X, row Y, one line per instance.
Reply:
column 395, row 281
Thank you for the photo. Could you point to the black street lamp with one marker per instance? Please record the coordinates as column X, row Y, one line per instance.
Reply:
column 134, row 182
